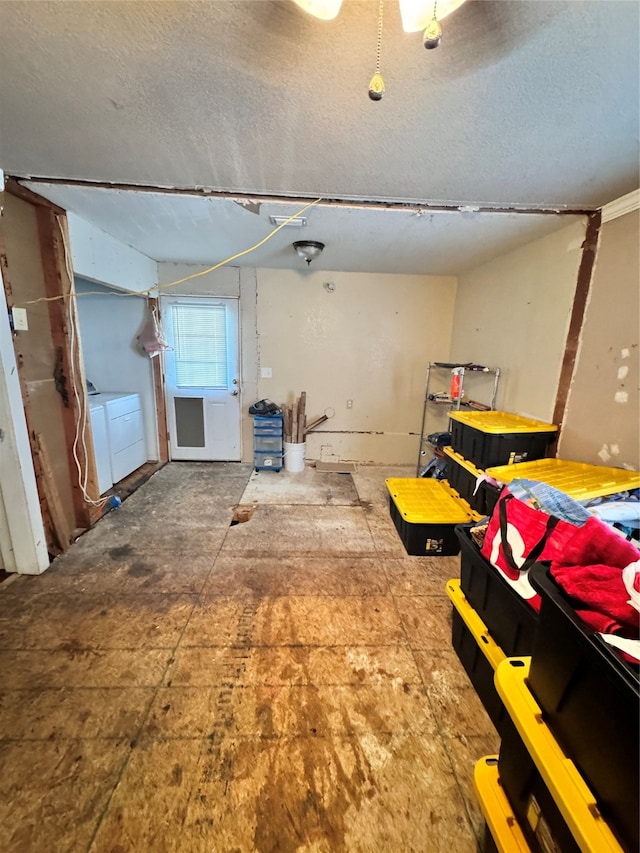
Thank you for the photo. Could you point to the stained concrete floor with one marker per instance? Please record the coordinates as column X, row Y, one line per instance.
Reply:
column 174, row 683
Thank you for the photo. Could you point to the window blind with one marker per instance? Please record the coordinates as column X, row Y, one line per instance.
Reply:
column 200, row 336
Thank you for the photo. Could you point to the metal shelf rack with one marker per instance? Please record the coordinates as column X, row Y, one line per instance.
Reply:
column 467, row 370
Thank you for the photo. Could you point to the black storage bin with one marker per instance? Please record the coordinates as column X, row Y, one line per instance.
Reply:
column 489, row 497
column 509, row 619
column 488, row 844
column 425, row 513
column 533, row 805
column 462, row 476
column 489, row 439
column 478, row 669
column 590, row 699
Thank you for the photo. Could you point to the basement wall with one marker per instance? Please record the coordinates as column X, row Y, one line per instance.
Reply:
column 601, row 423
column 368, row 340
column 514, row 312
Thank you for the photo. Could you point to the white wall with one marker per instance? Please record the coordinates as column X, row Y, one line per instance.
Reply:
column 369, row 341
column 514, row 313
column 99, row 257
column 602, row 418
column 113, row 359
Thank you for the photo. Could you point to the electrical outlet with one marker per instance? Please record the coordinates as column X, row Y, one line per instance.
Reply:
column 20, row 323
column 349, row 404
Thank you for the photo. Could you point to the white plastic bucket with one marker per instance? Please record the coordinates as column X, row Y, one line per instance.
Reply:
column 294, row 456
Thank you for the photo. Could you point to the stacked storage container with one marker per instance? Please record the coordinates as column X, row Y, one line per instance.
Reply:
column 480, row 440
column 267, row 443
column 567, row 775
column 499, row 614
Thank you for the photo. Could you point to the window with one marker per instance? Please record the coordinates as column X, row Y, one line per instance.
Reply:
column 200, row 336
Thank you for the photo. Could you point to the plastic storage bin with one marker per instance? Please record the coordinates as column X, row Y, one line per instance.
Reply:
column 574, row 799
column 425, row 513
column 590, row 699
column 510, row 620
column 533, row 805
column 477, row 651
column 268, row 426
column 577, row 479
column 267, row 443
column 502, row 831
column 267, row 461
column 499, row 438
column 490, row 495
column 462, row 476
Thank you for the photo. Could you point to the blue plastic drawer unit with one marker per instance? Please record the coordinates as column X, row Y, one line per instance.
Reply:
column 267, row 443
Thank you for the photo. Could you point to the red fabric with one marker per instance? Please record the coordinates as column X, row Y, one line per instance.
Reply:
column 600, row 598
column 526, row 527
column 595, row 543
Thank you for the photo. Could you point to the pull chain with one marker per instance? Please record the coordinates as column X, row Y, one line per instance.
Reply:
column 376, row 86
column 433, row 33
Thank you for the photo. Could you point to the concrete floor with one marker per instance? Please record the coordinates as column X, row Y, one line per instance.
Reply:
column 174, row 683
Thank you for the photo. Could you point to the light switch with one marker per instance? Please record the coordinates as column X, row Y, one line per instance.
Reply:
column 20, row 323
column 266, row 373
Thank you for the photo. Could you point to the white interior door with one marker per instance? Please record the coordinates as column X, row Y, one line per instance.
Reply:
column 202, row 378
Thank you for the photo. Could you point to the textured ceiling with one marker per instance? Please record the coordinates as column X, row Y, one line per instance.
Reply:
column 191, row 229
column 527, row 103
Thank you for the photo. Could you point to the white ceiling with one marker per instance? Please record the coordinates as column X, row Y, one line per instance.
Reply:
column 190, row 229
column 526, row 105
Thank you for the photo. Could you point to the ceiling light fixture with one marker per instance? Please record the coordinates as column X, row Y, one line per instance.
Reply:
column 308, row 249
column 297, row 222
column 416, row 15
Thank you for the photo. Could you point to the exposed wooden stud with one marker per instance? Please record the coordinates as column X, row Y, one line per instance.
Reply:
column 583, row 284
column 54, row 503
column 161, row 403
column 13, row 186
column 46, row 518
column 73, row 410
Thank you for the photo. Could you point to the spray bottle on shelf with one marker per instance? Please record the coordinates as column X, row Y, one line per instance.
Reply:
column 456, row 383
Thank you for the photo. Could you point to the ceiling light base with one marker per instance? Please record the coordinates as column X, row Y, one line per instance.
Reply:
column 308, row 249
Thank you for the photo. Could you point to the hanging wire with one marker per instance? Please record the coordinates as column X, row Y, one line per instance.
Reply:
column 376, row 86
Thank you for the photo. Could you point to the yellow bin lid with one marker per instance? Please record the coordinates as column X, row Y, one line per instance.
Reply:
column 577, row 479
column 422, row 500
column 501, row 422
column 469, row 466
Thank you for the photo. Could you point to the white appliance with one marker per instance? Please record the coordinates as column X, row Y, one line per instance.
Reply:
column 125, row 432
column 98, row 420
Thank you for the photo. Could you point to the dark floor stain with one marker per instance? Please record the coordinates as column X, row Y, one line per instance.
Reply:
column 121, row 551
column 176, row 775
column 140, row 570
